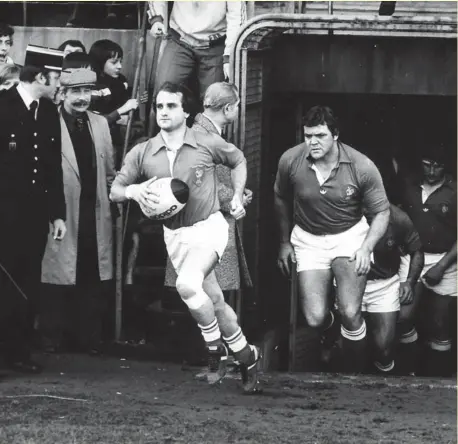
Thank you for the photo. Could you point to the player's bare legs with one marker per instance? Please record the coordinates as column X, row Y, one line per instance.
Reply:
column 349, row 296
column 383, row 333
column 314, row 288
column 195, row 279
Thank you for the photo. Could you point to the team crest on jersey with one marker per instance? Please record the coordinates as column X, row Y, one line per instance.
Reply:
column 349, row 191
column 444, row 208
column 198, row 175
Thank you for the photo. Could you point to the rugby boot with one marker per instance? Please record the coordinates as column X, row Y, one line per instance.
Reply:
column 249, row 371
column 217, row 362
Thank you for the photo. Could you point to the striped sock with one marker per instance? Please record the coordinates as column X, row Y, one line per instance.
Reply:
column 438, row 345
column 211, row 332
column 384, row 368
column 237, row 341
column 410, row 337
column 356, row 335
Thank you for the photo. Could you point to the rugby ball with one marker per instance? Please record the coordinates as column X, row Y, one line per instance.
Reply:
column 173, row 195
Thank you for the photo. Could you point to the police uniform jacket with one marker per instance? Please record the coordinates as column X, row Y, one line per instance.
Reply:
column 60, row 259
column 30, row 159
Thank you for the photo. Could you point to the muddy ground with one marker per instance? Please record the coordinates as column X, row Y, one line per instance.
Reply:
column 82, row 400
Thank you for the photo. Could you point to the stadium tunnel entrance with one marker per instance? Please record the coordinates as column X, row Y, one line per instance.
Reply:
column 392, row 94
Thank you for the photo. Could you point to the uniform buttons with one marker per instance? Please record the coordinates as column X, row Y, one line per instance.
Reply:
column 425, row 209
column 322, row 191
column 35, row 171
column 33, row 181
column 36, row 158
column 35, row 146
column 35, row 134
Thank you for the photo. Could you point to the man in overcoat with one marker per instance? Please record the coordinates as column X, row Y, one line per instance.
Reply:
column 77, row 271
column 31, row 197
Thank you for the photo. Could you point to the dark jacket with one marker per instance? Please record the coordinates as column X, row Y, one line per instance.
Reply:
column 30, row 157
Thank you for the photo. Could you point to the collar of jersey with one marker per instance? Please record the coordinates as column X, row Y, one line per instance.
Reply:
column 343, row 155
column 157, row 143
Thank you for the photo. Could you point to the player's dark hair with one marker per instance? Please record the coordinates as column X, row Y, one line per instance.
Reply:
column 6, row 29
column 187, row 99
column 101, row 51
column 74, row 43
column 321, row 115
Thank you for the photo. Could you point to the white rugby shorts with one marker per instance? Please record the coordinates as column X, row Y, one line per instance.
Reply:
column 446, row 287
column 209, row 234
column 382, row 295
column 315, row 252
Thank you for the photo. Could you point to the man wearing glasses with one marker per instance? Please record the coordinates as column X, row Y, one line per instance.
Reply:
column 431, row 204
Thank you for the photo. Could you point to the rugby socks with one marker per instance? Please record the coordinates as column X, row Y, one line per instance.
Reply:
column 408, row 353
column 211, row 333
column 237, row 341
column 238, row 344
column 384, row 368
column 354, row 349
column 437, row 358
column 440, row 346
column 355, row 335
column 409, row 337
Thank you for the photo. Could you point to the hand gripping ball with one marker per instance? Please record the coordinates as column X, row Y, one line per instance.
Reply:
column 173, row 195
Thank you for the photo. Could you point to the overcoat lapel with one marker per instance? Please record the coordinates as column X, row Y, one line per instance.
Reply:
column 68, row 152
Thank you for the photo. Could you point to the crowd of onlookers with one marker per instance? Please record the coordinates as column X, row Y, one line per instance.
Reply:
column 415, row 260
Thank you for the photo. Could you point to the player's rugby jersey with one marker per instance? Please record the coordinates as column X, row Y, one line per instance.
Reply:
column 400, row 238
column 435, row 219
column 354, row 186
column 195, row 164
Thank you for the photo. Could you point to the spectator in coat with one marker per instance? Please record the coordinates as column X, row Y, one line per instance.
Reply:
column 77, row 271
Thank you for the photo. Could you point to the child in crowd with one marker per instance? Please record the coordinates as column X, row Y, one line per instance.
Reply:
column 9, row 76
column 110, row 96
column 70, row 46
column 6, row 42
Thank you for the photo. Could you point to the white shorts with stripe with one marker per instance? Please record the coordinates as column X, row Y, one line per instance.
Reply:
column 315, row 252
column 209, row 234
column 446, row 287
column 382, row 295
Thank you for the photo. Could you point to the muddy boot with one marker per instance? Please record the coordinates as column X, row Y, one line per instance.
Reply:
column 217, row 362
column 250, row 359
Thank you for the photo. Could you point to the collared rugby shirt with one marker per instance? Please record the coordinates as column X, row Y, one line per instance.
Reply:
column 194, row 164
column 354, row 186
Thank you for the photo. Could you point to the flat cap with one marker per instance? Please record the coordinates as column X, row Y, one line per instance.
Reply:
column 78, row 77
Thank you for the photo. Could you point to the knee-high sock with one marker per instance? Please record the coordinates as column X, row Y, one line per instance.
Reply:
column 211, row 332
column 354, row 347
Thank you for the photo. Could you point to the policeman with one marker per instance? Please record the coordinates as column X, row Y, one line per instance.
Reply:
column 31, row 196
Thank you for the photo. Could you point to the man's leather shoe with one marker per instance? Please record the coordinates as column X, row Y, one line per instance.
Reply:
column 27, row 366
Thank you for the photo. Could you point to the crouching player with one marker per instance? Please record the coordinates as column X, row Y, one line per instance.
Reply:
column 384, row 293
column 197, row 236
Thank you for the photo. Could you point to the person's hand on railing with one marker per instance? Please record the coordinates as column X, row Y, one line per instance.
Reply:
column 157, row 29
